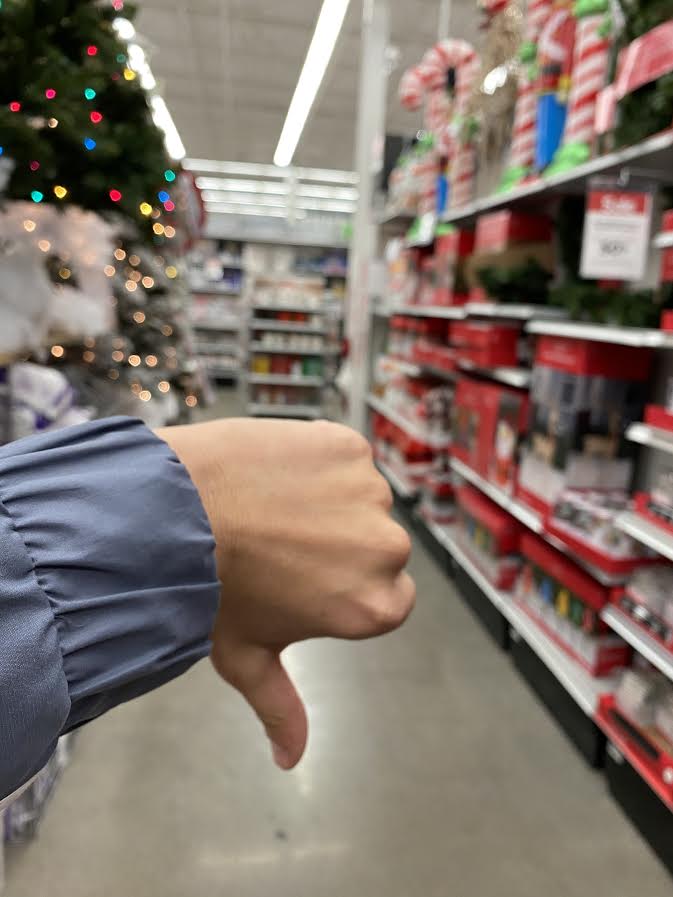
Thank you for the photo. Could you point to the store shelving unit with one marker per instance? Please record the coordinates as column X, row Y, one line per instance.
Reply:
column 655, row 537
column 604, row 333
column 449, row 313
column 399, row 366
column 273, row 326
column 285, row 380
column 635, row 635
column 650, row 156
column 653, row 437
column 514, row 311
column 402, row 488
column 518, row 377
column 517, row 509
column 409, row 427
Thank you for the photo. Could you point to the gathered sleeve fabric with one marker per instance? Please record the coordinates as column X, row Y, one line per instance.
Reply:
column 108, row 583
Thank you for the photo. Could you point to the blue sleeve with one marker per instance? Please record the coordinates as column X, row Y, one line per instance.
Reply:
column 108, row 584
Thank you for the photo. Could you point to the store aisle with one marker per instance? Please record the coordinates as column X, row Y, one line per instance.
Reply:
column 432, row 771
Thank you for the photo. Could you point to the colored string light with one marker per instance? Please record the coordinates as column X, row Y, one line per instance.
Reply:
column 121, row 57
column 115, row 195
column 29, row 225
column 158, row 229
column 53, row 123
column 169, row 175
column 36, row 196
column 129, row 74
column 34, row 165
column 15, row 106
column 169, row 232
column 50, row 93
column 163, row 195
column 60, row 192
column 2, row 149
column 92, row 50
column 89, row 93
column 171, row 272
column 96, row 117
column 145, row 208
column 169, row 206
column 89, row 143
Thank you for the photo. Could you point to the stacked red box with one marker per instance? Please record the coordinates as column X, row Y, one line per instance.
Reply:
column 451, row 251
column 497, row 231
column 566, row 603
column 658, row 416
column 489, row 421
column 486, row 343
column 490, row 536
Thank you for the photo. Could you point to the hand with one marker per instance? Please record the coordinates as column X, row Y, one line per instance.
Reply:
column 306, row 547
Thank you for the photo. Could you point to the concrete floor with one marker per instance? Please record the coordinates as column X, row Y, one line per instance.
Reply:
column 431, row 771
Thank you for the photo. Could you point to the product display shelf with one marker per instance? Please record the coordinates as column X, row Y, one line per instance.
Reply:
column 655, row 537
column 215, row 290
column 299, row 411
column 653, row 155
column 514, row 311
column 663, row 240
column 530, row 519
column 584, row 689
column 410, row 428
column 654, row 437
column 285, row 380
column 442, row 374
column 222, row 324
column 605, row 333
column 517, row 509
column 642, row 641
column 400, row 486
column 395, row 216
column 519, row 377
column 260, row 348
column 450, row 312
column 399, row 366
column 298, row 307
column 285, row 326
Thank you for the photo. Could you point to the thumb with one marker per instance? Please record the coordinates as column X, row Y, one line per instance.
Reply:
column 260, row 677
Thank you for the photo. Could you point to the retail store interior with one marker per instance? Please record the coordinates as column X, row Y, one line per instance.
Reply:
column 447, row 224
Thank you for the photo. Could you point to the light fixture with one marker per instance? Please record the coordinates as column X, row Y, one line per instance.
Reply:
column 138, row 63
column 163, row 119
column 275, row 188
column 317, row 59
column 259, row 170
column 124, row 28
column 260, row 211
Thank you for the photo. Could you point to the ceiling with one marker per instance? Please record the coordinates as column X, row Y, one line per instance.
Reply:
column 228, row 69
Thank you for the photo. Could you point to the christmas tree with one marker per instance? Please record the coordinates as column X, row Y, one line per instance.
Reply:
column 76, row 127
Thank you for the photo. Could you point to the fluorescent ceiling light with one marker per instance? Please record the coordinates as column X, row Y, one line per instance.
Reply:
column 279, row 202
column 317, row 59
column 255, row 169
column 225, row 208
column 124, row 28
column 138, row 62
column 495, row 79
column 276, row 188
column 163, row 119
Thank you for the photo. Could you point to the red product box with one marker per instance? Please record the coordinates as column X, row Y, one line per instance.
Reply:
column 578, row 356
column 564, row 570
column 645, row 59
column 498, row 230
column 488, row 422
column 486, row 344
column 490, row 536
column 666, row 275
column 658, row 416
column 642, row 502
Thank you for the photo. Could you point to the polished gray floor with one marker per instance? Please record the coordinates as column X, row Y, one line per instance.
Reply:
column 432, row 771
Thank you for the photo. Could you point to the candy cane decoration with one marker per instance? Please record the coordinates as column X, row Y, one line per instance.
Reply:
column 522, row 151
column 428, row 80
column 590, row 72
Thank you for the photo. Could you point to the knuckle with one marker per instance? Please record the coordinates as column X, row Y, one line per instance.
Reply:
column 351, row 442
column 387, row 613
column 397, row 545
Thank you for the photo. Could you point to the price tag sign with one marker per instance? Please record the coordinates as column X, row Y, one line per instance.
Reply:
column 616, row 237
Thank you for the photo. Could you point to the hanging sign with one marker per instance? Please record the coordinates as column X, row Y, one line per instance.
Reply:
column 616, row 238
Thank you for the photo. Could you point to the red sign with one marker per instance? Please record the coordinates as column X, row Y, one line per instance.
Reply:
column 645, row 59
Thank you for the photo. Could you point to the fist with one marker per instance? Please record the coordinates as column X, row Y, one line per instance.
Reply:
column 306, row 548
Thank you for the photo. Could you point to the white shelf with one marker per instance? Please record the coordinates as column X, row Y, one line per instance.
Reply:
column 450, row 312
column 398, row 483
column 654, row 154
column 644, row 643
column 519, row 377
column 654, row 437
column 278, row 350
column 515, row 311
column 583, row 688
column 312, row 411
column 223, row 325
column 399, row 216
column 298, row 307
column 284, row 380
column 400, row 366
column 526, row 515
column 663, row 240
column 603, row 333
column 214, row 290
column 655, row 537
column 408, row 426
column 285, row 326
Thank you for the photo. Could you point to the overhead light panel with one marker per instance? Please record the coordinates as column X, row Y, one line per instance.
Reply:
column 226, row 208
column 163, row 119
column 259, row 170
column 123, row 28
column 320, row 51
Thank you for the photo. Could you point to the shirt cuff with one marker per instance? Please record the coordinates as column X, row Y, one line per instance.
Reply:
column 108, row 582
